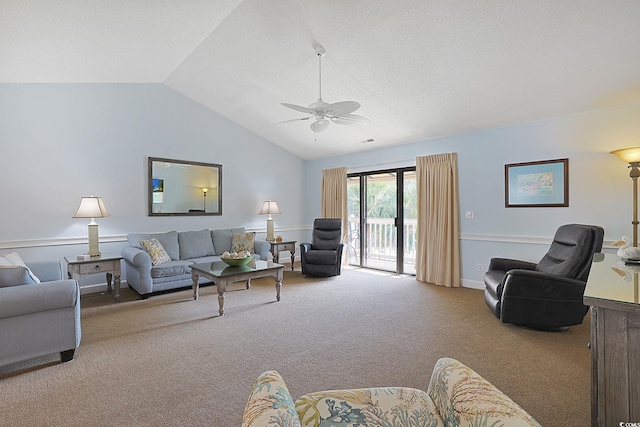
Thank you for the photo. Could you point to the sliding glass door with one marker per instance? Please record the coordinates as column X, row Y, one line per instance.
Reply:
column 380, row 204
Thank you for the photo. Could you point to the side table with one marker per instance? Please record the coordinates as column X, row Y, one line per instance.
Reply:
column 79, row 269
column 277, row 247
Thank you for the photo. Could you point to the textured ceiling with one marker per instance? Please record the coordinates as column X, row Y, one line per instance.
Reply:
column 420, row 68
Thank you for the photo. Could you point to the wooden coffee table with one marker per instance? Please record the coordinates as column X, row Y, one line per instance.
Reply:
column 222, row 275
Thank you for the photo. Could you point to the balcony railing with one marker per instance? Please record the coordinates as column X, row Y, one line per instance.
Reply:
column 381, row 238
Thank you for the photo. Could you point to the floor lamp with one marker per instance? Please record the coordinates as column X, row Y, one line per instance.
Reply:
column 632, row 156
column 92, row 207
column 269, row 207
column 204, row 199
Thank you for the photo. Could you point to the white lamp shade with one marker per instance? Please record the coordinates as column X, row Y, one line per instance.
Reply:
column 320, row 125
column 91, row 207
column 629, row 155
column 269, row 207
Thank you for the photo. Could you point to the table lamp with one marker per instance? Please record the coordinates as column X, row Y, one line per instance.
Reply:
column 269, row 207
column 92, row 207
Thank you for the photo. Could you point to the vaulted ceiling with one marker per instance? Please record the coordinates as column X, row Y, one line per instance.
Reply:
column 420, row 68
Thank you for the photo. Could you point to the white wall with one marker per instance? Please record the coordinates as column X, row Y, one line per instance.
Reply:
column 59, row 142
column 599, row 193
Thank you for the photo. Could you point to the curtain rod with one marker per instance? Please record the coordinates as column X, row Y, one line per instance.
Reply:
column 391, row 163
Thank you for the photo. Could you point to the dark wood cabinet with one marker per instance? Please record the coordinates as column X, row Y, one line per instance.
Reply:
column 612, row 293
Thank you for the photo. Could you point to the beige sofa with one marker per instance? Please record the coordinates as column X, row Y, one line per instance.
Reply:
column 456, row 397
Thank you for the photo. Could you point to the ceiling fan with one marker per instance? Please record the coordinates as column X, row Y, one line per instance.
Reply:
column 323, row 112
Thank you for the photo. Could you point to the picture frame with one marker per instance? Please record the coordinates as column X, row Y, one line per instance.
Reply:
column 182, row 187
column 541, row 184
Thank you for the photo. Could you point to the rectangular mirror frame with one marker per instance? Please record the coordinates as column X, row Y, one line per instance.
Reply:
column 196, row 201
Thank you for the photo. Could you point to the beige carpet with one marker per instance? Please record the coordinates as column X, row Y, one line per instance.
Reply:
column 172, row 361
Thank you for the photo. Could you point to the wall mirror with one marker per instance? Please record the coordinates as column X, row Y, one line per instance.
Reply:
column 179, row 187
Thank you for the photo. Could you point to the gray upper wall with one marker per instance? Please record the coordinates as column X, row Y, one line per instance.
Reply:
column 64, row 141
column 600, row 187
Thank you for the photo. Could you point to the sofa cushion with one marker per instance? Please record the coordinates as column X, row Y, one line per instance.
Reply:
column 155, row 250
column 222, row 239
column 15, row 275
column 168, row 240
column 270, row 403
column 195, row 244
column 322, row 257
column 14, row 259
column 205, row 259
column 241, row 242
column 171, row 268
column 382, row 406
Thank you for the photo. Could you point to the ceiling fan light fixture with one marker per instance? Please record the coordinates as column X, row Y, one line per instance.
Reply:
column 320, row 125
column 323, row 112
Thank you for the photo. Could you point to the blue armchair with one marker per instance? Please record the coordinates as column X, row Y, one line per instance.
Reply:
column 38, row 319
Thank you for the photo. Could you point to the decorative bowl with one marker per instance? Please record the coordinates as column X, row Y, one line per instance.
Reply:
column 234, row 262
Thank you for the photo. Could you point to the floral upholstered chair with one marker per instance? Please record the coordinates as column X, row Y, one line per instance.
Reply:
column 456, row 397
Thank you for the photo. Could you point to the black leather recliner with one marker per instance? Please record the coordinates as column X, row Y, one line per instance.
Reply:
column 323, row 256
column 547, row 295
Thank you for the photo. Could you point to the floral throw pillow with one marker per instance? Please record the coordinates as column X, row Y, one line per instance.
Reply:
column 243, row 242
column 155, row 250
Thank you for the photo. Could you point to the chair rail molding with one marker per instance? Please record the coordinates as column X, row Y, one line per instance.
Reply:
column 65, row 241
column 70, row 241
column 506, row 238
column 520, row 239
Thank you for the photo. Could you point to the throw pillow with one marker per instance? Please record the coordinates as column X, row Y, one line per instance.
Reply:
column 243, row 242
column 13, row 259
column 155, row 250
column 16, row 275
column 222, row 238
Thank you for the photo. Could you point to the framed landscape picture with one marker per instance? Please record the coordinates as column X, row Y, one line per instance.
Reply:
column 537, row 184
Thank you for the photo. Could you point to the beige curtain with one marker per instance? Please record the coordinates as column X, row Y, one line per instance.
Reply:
column 438, row 245
column 334, row 195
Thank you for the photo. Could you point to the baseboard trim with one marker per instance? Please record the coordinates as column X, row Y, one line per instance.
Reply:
column 98, row 288
column 472, row 284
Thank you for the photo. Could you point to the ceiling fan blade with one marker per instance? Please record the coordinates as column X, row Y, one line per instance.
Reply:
column 319, row 125
column 350, row 119
column 299, row 108
column 293, row 120
column 342, row 107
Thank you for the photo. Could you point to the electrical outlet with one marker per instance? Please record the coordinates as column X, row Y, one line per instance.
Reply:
column 480, row 268
column 468, row 214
